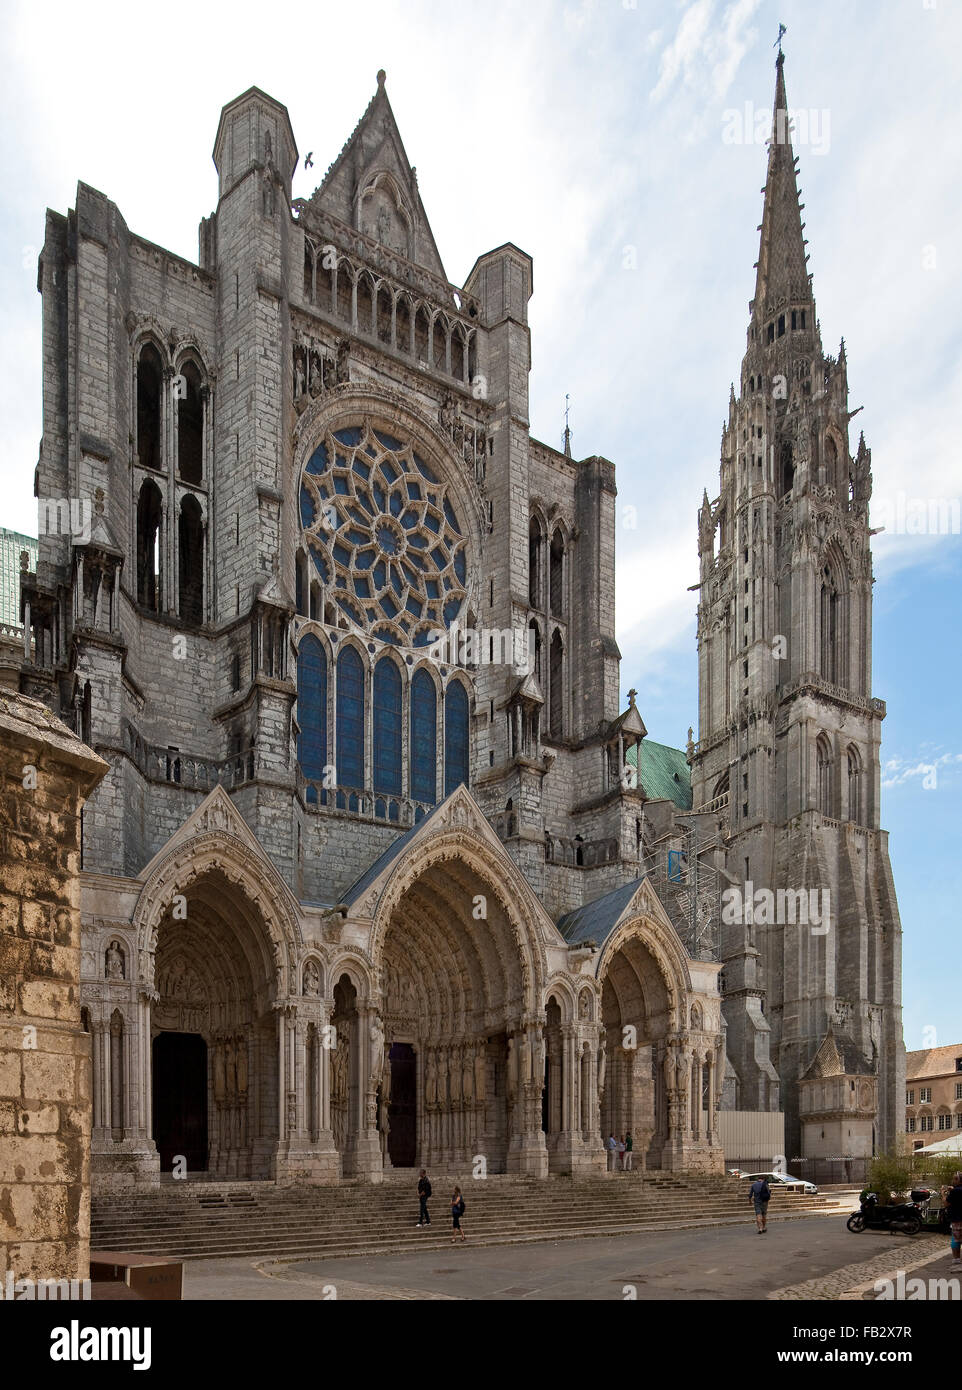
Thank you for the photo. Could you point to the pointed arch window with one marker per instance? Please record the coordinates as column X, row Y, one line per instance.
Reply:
column 535, row 541
column 387, row 728
column 312, row 708
column 150, row 375
column 350, row 719
column 854, row 786
column 825, row 777
column 455, row 737
column 556, row 686
column 190, row 427
column 556, row 575
column 150, row 512
column 190, row 549
column 424, row 739
column 829, row 614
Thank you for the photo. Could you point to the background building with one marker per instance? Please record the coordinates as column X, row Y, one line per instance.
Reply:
column 933, row 1093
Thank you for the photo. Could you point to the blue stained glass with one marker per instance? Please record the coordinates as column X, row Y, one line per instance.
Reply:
column 363, row 468
column 414, row 491
column 439, row 556
column 318, row 460
column 356, row 537
column 307, row 507
column 423, row 638
column 397, row 504
column 424, row 735
column 424, row 470
column 409, row 519
column 342, row 486
column 413, row 606
column 364, row 559
column 348, row 436
column 380, row 575
column 321, row 563
column 397, row 582
column 388, row 441
column 312, row 708
column 342, row 555
column 389, row 471
column 387, row 727
column 460, row 565
column 432, row 523
column 451, row 609
column 350, row 719
column 432, row 587
column 389, row 606
column 455, row 737
column 380, row 496
column 419, row 541
column 451, row 518
column 361, row 587
column 366, row 503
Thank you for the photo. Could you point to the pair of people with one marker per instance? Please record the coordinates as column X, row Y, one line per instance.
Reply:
column 953, row 1200
column 619, row 1152
column 457, row 1206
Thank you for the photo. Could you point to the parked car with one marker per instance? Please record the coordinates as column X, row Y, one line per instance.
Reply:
column 784, row 1180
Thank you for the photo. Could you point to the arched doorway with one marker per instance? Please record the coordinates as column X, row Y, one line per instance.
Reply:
column 216, row 1098
column 637, row 1018
column 463, row 1050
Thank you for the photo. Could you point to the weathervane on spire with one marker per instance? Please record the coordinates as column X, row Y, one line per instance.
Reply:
column 567, row 428
column 781, row 30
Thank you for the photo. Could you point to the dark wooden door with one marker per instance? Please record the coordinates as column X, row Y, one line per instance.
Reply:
column 180, row 1099
column 402, row 1112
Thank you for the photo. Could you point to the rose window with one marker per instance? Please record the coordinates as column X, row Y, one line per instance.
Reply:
column 384, row 536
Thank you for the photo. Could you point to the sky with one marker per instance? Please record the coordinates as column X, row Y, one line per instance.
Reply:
column 616, row 143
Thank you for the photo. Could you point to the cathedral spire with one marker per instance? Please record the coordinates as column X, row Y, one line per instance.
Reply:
column 782, row 278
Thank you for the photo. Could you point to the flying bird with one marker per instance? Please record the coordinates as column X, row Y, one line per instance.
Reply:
column 308, row 161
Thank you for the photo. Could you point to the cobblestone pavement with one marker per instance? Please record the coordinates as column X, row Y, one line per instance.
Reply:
column 856, row 1280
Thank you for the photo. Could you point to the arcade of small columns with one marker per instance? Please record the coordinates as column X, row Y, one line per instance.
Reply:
column 301, row 1083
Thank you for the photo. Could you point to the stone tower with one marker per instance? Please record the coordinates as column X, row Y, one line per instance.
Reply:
column 789, row 730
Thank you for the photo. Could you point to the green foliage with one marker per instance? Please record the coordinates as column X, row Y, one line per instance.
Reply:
column 893, row 1174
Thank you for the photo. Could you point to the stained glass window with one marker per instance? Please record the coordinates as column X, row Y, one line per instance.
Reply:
column 350, row 719
column 424, row 739
column 387, row 727
column 455, row 737
column 312, row 708
column 364, row 509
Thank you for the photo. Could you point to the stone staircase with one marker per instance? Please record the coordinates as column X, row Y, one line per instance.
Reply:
column 205, row 1220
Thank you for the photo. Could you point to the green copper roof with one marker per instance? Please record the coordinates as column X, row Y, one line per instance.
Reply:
column 665, row 773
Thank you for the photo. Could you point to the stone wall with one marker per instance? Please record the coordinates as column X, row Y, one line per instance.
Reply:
column 45, row 776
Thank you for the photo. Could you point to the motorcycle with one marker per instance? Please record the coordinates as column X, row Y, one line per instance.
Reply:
column 935, row 1216
column 872, row 1216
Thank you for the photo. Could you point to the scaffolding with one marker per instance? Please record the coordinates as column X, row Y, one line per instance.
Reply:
column 681, row 866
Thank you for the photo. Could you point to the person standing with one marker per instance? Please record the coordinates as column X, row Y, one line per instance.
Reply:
column 621, row 1153
column 953, row 1200
column 612, row 1147
column 424, row 1192
column 760, row 1194
column 457, row 1211
column 628, row 1144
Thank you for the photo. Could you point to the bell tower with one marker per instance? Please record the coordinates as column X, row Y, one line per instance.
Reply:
column 789, row 731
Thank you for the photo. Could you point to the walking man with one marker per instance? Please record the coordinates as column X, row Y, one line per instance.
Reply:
column 424, row 1192
column 760, row 1194
column 612, row 1153
column 628, row 1151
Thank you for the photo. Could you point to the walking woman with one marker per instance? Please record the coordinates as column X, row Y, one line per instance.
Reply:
column 457, row 1211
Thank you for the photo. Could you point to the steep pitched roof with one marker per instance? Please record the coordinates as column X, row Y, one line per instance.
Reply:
column 932, row 1061
column 597, row 920
column 837, row 1055
column 374, row 151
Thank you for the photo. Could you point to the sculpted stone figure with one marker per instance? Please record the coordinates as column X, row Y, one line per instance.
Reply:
column 115, row 961
column 512, row 1068
column 377, row 1049
column 312, row 978
column 467, row 1077
column 480, row 1083
column 583, row 1004
column 230, row 1068
column 220, row 1075
column 602, row 1065
column 431, row 1081
column 669, row 1069
column 241, row 1068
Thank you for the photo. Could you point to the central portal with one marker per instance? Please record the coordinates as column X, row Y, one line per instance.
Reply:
column 180, row 1100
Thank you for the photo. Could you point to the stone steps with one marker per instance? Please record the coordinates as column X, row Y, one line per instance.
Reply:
column 205, row 1220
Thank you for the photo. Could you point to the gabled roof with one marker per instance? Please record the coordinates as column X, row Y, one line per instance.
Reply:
column 396, row 848
column 597, row 920
column 375, row 148
column 932, row 1061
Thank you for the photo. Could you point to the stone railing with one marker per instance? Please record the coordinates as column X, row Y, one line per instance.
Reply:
column 362, row 802
column 187, row 770
column 718, row 804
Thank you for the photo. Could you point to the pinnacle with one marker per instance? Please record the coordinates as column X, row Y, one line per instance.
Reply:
column 782, row 275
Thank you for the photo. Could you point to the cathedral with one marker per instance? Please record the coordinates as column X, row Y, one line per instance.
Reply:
column 381, row 874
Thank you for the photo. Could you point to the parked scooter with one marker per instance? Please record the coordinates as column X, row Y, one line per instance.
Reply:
column 934, row 1213
column 872, row 1216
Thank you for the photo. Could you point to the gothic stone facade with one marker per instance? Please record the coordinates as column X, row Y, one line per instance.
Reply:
column 330, row 878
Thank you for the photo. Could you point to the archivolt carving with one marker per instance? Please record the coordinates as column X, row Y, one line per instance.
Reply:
column 504, row 882
column 666, row 951
column 256, row 878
